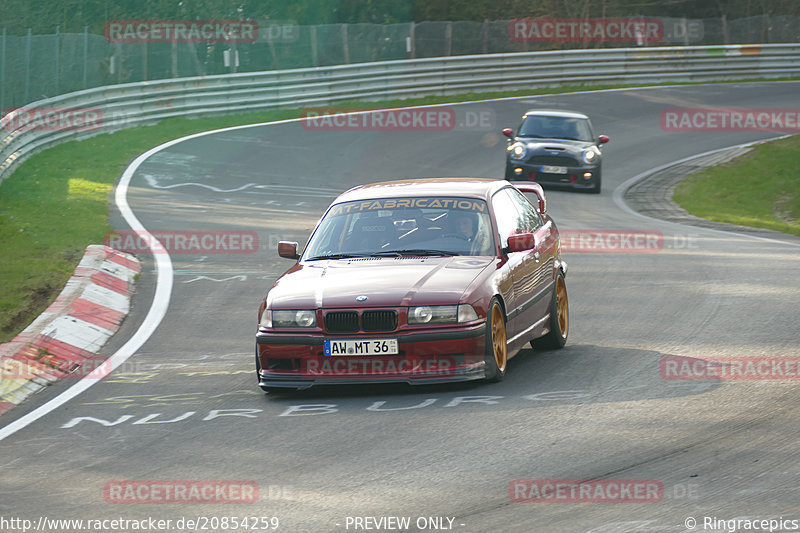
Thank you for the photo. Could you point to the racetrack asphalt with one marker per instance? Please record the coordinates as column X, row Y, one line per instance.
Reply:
column 186, row 406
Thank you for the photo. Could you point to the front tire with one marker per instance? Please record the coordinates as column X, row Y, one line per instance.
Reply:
column 496, row 356
column 556, row 338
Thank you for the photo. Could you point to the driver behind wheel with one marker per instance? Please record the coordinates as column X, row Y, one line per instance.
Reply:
column 464, row 225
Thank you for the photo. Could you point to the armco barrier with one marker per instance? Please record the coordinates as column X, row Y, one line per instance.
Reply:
column 133, row 104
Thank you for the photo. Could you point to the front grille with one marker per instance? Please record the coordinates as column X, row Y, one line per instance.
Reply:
column 552, row 160
column 341, row 321
column 379, row 320
column 369, row 321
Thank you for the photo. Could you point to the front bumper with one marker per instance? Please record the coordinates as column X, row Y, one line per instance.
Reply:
column 574, row 177
column 431, row 356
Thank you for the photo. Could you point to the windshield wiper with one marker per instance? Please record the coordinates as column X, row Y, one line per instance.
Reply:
column 336, row 256
column 420, row 251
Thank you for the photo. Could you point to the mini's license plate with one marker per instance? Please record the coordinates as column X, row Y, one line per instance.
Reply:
column 553, row 170
column 349, row 347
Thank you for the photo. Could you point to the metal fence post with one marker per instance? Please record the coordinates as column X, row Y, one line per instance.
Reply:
column 58, row 69
column 411, row 48
column 85, row 56
column 174, row 58
column 28, row 64
column 144, row 61
column 118, row 62
column 345, row 46
column 314, row 56
column 3, row 73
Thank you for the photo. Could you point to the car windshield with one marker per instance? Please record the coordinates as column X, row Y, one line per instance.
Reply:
column 403, row 227
column 550, row 127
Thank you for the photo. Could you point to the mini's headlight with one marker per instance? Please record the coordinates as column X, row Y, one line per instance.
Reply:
column 293, row 318
column 590, row 155
column 517, row 150
column 441, row 314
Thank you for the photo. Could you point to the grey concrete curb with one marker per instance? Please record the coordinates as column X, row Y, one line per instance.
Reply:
column 652, row 195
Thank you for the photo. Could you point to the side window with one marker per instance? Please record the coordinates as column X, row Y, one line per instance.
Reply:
column 530, row 219
column 507, row 215
column 586, row 131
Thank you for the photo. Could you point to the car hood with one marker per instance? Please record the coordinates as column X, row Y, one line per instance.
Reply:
column 386, row 282
column 559, row 146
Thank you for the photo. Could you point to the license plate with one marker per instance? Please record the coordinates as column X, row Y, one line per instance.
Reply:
column 553, row 170
column 351, row 347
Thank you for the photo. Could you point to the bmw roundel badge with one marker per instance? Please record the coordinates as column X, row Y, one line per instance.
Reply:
column 361, row 298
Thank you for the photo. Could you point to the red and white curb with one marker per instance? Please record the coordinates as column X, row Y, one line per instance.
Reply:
column 64, row 341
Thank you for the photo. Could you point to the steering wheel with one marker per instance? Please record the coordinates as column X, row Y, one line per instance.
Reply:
column 456, row 236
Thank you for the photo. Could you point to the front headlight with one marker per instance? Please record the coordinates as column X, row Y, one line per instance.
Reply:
column 517, row 150
column 288, row 318
column 441, row 314
column 590, row 155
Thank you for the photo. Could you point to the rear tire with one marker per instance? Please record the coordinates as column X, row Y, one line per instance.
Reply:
column 496, row 356
column 556, row 338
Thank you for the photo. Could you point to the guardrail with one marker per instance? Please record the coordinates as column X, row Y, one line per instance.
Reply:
column 127, row 105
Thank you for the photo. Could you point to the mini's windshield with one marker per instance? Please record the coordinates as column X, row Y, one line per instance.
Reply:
column 550, row 127
column 403, row 227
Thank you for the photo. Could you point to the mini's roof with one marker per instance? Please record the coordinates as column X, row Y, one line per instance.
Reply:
column 554, row 113
column 453, row 187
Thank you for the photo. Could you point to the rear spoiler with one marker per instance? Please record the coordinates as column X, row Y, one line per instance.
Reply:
column 532, row 188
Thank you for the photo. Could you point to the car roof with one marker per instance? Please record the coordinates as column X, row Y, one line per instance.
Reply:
column 451, row 187
column 553, row 113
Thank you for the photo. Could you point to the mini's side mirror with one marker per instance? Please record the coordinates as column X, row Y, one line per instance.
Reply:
column 603, row 139
column 508, row 132
column 521, row 242
column 288, row 250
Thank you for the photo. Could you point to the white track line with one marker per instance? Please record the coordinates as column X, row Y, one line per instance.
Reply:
column 148, row 326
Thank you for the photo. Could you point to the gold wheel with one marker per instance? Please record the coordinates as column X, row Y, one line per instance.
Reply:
column 556, row 338
column 562, row 305
column 499, row 339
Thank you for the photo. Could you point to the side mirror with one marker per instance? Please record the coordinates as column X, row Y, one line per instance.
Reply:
column 508, row 132
column 603, row 139
column 521, row 242
column 288, row 250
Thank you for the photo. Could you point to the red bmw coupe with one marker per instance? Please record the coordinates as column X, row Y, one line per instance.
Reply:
column 418, row 281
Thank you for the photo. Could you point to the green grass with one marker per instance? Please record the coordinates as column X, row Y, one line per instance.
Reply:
column 759, row 189
column 56, row 203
